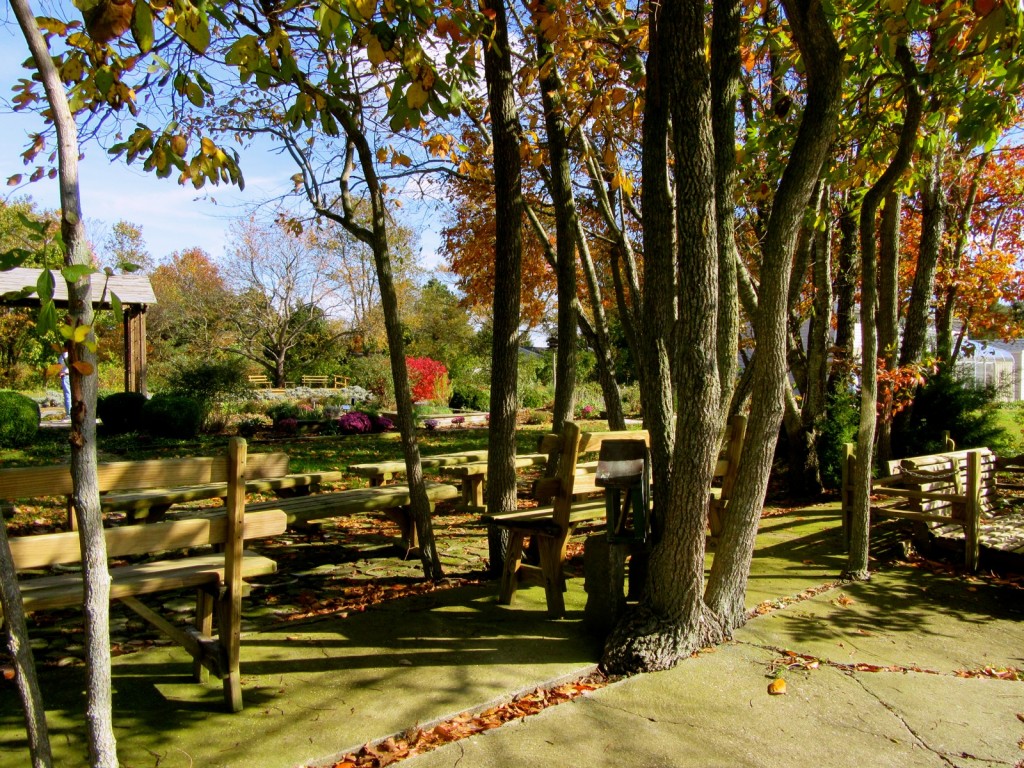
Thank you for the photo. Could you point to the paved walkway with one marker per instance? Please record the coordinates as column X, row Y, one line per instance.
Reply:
column 889, row 672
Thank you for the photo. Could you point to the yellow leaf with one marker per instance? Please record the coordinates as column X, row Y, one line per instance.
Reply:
column 54, row 370
column 209, row 148
column 382, row 154
column 416, row 96
column 777, row 687
column 81, row 332
column 375, row 52
column 366, row 8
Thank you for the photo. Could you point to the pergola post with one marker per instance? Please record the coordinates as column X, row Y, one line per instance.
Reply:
column 135, row 349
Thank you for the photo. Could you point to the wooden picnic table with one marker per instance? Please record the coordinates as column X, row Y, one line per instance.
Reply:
column 473, row 474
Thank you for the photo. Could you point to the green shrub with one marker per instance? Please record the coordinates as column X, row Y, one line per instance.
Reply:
column 121, row 412
column 470, row 398
column 842, row 420
column 19, row 419
column 947, row 403
column 535, row 396
column 174, row 415
column 373, row 373
column 210, row 381
column 589, row 400
column 284, row 410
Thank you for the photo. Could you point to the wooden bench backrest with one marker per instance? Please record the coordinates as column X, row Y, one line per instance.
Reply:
column 31, row 482
column 950, row 470
column 48, row 549
column 567, row 449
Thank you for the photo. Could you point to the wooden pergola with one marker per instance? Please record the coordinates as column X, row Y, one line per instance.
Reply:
column 134, row 291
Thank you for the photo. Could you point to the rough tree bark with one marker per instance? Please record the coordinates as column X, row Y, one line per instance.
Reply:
column 566, row 225
column 822, row 60
column 888, row 311
column 508, row 198
column 82, row 366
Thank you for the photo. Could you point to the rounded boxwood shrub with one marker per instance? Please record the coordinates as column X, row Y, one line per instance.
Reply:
column 174, row 415
column 121, row 412
column 19, row 419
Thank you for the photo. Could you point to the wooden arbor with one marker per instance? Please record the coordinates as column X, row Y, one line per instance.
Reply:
column 17, row 289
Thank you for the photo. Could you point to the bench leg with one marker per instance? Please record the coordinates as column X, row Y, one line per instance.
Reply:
column 473, row 492
column 204, row 625
column 229, row 635
column 554, row 581
column 510, row 573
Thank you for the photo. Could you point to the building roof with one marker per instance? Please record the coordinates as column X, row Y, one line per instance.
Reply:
column 130, row 289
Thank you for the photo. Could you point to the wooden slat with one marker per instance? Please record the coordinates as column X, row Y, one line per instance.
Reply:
column 65, row 591
column 33, row 482
column 427, row 462
column 44, row 550
column 352, row 501
column 590, row 442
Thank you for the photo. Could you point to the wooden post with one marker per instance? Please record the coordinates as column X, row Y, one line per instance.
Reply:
column 846, row 491
column 972, row 521
column 230, row 614
column 135, row 349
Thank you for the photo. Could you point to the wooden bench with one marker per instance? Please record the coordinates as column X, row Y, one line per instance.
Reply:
column 218, row 576
column 315, row 381
column 391, row 500
column 147, row 489
column 473, row 474
column 944, row 489
column 259, row 381
column 570, row 499
column 381, row 472
column 340, row 382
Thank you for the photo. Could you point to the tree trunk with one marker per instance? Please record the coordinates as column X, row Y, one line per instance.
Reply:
column 857, row 562
column 933, row 227
column 566, row 225
column 672, row 618
column 726, row 63
column 21, row 652
column 823, row 63
column 946, row 303
column 846, row 294
column 888, row 312
column 505, row 131
column 82, row 368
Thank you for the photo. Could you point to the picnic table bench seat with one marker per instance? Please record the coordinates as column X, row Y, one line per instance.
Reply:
column 473, row 474
column 391, row 500
column 380, row 472
column 164, row 557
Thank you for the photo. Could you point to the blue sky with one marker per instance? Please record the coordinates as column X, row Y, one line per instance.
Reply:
column 172, row 217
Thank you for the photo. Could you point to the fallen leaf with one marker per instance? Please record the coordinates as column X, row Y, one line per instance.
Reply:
column 777, row 687
column 1020, row 716
column 844, row 600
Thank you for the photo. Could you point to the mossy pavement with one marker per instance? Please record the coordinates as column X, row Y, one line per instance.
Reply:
column 905, row 669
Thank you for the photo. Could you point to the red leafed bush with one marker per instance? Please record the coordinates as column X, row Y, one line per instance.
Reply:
column 428, row 379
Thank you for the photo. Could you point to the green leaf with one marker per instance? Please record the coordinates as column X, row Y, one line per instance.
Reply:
column 115, row 304
column 76, row 272
column 104, row 80
column 142, row 26
column 47, row 322
column 195, row 94
column 193, row 27
column 44, row 286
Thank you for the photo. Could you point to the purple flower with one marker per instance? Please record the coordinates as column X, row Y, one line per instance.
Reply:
column 288, row 426
column 430, row 423
column 458, row 421
column 382, row 424
column 354, row 423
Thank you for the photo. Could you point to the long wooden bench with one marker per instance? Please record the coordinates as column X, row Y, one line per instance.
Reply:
column 944, row 489
column 147, row 489
column 259, row 381
column 381, row 472
column 391, row 500
column 217, row 573
column 570, row 499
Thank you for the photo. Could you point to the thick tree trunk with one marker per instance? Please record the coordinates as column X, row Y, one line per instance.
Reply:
column 505, row 130
column 857, row 562
column 82, row 367
column 823, row 64
column 566, row 226
column 672, row 618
